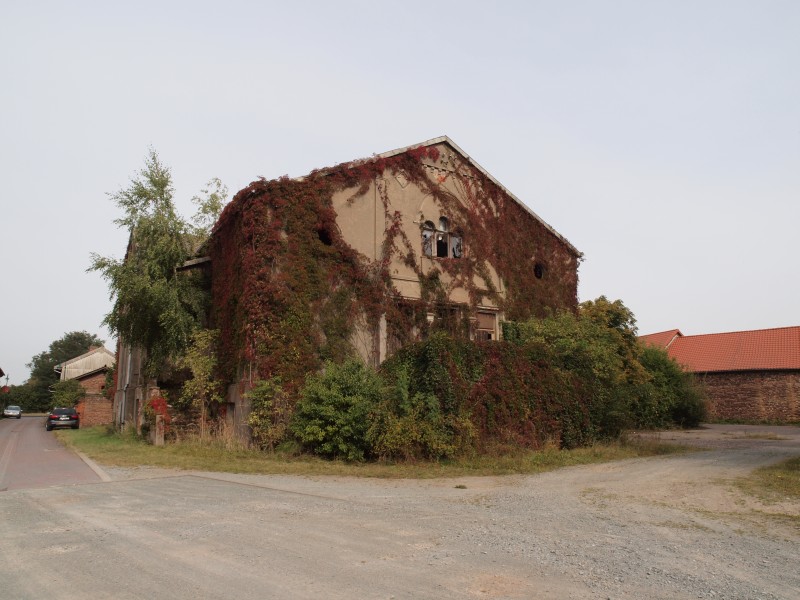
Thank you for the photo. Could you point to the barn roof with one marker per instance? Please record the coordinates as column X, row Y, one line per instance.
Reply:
column 755, row 350
column 92, row 361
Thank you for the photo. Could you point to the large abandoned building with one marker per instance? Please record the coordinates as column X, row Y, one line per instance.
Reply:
column 362, row 258
column 370, row 255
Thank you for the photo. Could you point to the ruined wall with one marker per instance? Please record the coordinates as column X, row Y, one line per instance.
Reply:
column 756, row 396
column 95, row 410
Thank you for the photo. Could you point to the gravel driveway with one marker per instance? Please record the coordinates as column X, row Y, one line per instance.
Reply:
column 666, row 527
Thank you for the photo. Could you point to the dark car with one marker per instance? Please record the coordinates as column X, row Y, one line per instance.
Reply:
column 62, row 417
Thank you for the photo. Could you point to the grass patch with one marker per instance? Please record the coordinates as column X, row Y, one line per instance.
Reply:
column 776, row 483
column 124, row 450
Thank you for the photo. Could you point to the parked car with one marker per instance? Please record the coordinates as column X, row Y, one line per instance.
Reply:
column 12, row 411
column 62, row 417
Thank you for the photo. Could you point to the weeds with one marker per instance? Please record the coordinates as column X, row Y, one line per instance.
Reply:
column 192, row 453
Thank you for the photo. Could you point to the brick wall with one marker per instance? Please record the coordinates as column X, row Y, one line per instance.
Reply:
column 95, row 409
column 753, row 396
column 94, row 384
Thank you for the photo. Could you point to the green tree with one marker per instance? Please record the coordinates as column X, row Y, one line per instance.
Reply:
column 66, row 393
column 43, row 374
column 20, row 395
column 156, row 306
column 202, row 390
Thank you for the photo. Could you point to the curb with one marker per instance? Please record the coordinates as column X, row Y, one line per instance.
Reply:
column 94, row 467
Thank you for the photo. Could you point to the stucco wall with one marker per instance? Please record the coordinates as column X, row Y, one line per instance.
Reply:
column 753, row 396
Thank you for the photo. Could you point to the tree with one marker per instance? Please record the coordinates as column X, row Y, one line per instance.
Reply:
column 66, row 393
column 201, row 391
column 156, row 306
column 43, row 375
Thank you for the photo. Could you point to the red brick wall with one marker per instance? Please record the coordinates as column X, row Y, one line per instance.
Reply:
column 95, row 410
column 95, row 384
column 753, row 396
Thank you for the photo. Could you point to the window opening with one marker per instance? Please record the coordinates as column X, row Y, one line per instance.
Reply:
column 486, row 327
column 427, row 238
column 538, row 270
column 439, row 242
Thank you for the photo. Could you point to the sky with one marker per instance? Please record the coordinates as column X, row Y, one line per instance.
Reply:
column 661, row 138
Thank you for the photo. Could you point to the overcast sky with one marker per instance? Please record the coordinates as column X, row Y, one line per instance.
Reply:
column 661, row 138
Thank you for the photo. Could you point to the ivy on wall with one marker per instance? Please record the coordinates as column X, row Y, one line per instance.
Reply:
column 288, row 291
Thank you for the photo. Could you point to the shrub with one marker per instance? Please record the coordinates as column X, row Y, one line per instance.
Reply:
column 332, row 416
column 270, row 412
column 672, row 395
column 412, row 426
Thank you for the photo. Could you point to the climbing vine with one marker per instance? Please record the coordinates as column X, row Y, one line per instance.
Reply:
column 289, row 291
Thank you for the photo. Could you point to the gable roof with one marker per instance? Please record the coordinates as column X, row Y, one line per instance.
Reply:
column 662, row 339
column 446, row 140
column 755, row 350
column 89, row 362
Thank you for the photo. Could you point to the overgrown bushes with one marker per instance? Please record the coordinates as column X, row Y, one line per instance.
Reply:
column 567, row 380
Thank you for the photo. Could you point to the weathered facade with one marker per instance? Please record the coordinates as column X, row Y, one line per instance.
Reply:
column 750, row 376
column 367, row 256
column 89, row 370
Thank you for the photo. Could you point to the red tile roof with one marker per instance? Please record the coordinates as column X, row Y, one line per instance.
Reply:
column 757, row 350
column 662, row 339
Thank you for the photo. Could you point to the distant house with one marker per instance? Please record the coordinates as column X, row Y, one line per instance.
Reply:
column 748, row 375
column 89, row 370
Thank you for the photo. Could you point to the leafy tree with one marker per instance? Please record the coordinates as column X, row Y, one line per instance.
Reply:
column 43, row 375
column 22, row 396
column 209, row 206
column 156, row 307
column 66, row 393
column 202, row 391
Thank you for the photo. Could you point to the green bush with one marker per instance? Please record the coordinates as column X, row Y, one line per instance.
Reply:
column 672, row 396
column 412, row 426
column 270, row 412
column 332, row 416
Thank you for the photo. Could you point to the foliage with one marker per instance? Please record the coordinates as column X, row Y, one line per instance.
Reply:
column 626, row 385
column 156, row 307
column 43, row 374
column 412, row 426
column 332, row 416
column 209, row 206
column 22, row 396
column 66, row 393
column 202, row 390
column 270, row 412
column 157, row 405
column 671, row 396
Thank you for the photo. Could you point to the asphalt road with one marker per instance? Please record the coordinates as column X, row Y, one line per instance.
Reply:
column 662, row 528
column 31, row 457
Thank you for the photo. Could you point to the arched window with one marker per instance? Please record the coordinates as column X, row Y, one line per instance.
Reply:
column 438, row 241
column 427, row 238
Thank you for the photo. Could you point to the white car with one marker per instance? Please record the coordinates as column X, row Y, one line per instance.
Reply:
column 12, row 411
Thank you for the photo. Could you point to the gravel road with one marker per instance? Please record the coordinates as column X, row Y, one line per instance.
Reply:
column 664, row 528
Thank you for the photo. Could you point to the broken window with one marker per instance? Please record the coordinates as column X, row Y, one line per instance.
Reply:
column 427, row 238
column 440, row 241
column 486, row 326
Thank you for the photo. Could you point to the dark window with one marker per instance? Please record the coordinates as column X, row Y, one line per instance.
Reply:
column 427, row 238
column 538, row 270
column 440, row 242
column 486, row 326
